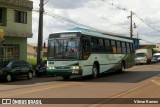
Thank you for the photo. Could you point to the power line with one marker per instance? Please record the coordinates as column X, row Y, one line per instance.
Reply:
column 61, row 18
column 127, row 10
column 88, row 15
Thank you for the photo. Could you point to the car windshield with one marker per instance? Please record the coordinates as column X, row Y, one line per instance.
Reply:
column 140, row 54
column 4, row 63
column 64, row 48
column 156, row 56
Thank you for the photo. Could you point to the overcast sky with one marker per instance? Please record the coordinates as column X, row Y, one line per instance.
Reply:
column 106, row 15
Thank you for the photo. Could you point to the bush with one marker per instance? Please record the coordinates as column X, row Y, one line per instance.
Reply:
column 32, row 61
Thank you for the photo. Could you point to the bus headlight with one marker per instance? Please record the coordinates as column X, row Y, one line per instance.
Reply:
column 51, row 67
column 75, row 67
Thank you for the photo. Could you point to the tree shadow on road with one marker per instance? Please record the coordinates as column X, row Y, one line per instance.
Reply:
column 125, row 77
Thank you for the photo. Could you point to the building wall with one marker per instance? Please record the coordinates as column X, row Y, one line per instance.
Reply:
column 32, row 51
column 15, row 33
column 157, row 47
column 11, row 25
column 22, row 42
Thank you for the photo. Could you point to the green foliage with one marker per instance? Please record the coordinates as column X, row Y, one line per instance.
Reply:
column 32, row 61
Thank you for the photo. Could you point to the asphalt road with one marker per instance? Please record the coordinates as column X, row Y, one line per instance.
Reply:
column 142, row 81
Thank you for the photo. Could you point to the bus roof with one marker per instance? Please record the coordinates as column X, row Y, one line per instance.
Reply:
column 107, row 35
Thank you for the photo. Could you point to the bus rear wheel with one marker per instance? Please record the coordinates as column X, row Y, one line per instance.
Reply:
column 94, row 71
column 122, row 69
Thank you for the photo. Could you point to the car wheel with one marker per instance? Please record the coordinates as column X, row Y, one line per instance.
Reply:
column 8, row 78
column 30, row 75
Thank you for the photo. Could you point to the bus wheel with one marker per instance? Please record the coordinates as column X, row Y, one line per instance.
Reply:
column 94, row 71
column 122, row 67
column 66, row 77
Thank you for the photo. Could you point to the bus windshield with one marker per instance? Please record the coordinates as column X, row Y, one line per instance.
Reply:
column 67, row 48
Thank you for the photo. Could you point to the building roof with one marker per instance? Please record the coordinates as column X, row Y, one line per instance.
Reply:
column 28, row 4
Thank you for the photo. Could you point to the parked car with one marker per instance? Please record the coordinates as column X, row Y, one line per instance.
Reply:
column 156, row 58
column 143, row 56
column 14, row 69
column 41, row 69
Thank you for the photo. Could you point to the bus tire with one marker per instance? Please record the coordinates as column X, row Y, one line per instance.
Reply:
column 67, row 77
column 94, row 71
column 122, row 69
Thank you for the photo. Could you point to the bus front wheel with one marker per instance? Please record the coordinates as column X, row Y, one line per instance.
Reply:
column 94, row 71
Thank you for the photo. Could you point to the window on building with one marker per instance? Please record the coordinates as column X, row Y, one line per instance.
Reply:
column 20, row 16
column 1, row 15
column 9, row 52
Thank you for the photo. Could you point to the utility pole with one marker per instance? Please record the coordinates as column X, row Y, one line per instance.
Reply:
column 40, row 33
column 131, row 27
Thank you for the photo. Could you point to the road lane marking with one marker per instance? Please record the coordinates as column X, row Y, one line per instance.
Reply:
column 47, row 88
column 157, row 83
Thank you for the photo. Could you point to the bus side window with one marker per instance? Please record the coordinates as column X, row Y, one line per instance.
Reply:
column 101, row 45
column 108, row 48
column 85, row 48
column 124, row 48
column 114, row 48
column 128, row 48
column 95, row 44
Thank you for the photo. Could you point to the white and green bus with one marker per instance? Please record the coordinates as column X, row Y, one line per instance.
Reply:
column 81, row 53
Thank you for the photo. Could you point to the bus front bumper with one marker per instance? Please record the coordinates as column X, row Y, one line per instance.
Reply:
column 60, row 72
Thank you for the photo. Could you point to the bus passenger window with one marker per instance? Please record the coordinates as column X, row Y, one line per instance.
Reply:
column 119, row 49
column 108, row 48
column 124, row 47
column 101, row 45
column 86, row 48
column 94, row 45
column 128, row 48
column 114, row 48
